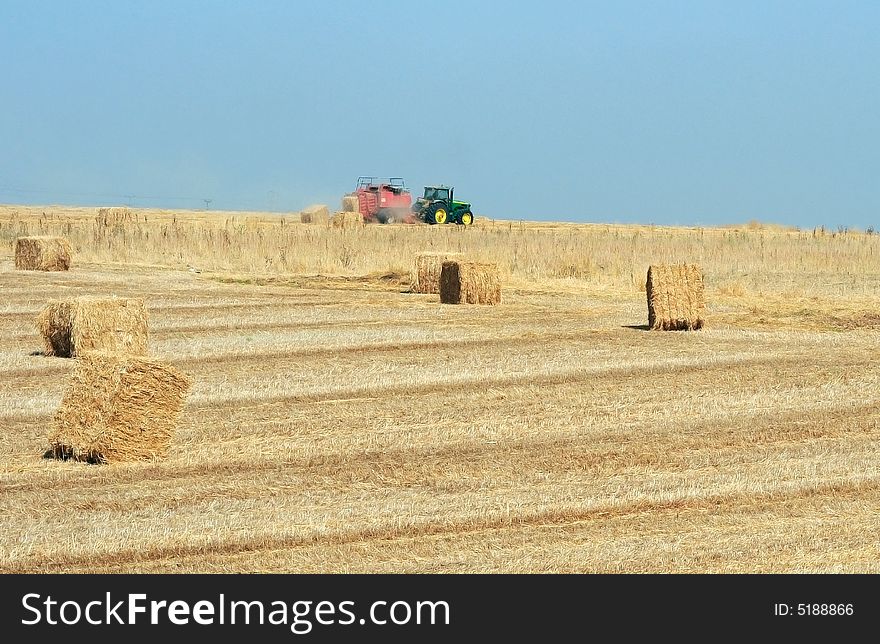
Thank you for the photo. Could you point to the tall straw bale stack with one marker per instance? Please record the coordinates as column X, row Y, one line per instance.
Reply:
column 115, row 216
column 464, row 282
column 315, row 214
column 85, row 324
column 675, row 297
column 426, row 278
column 42, row 253
column 118, row 408
column 347, row 220
column 350, row 204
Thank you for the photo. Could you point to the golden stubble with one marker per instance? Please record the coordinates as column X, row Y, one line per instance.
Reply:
column 338, row 422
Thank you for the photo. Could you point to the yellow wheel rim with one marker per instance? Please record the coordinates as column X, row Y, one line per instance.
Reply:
column 467, row 219
column 440, row 216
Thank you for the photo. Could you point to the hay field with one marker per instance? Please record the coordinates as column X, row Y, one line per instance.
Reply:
column 339, row 423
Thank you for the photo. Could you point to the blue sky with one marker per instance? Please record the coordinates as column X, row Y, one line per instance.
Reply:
column 665, row 112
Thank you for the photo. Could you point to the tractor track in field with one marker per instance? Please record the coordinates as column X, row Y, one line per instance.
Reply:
column 518, row 339
column 427, row 467
column 406, row 389
column 556, row 517
column 34, row 379
column 257, row 306
column 785, row 427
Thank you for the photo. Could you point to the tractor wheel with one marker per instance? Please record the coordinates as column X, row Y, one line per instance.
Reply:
column 467, row 218
column 437, row 214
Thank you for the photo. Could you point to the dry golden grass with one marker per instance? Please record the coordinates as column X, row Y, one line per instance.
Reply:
column 756, row 260
column 339, row 422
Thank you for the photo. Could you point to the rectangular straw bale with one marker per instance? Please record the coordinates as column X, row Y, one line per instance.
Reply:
column 115, row 216
column 347, row 220
column 84, row 324
column 426, row 278
column 315, row 214
column 350, row 203
column 118, row 408
column 464, row 282
column 42, row 253
column 675, row 297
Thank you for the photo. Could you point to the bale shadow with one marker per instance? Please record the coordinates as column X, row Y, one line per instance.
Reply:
column 637, row 327
column 62, row 453
column 47, row 354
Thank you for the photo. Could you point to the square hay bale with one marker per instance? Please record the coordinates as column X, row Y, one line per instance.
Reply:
column 427, row 271
column 118, row 408
column 115, row 216
column 675, row 297
column 463, row 282
column 42, row 253
column 350, row 203
column 315, row 214
column 347, row 220
column 85, row 324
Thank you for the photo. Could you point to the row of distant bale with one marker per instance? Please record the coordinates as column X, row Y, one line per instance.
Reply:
column 675, row 292
column 348, row 217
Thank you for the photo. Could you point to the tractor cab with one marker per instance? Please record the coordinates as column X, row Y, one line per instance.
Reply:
column 433, row 193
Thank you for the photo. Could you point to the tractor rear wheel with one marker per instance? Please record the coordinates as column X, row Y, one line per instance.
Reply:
column 437, row 214
column 466, row 218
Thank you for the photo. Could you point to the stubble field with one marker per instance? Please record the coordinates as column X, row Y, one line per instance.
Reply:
column 339, row 423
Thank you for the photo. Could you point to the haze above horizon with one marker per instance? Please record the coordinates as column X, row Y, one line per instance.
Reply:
column 691, row 113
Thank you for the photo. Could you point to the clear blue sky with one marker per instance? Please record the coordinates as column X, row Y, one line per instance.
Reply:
column 666, row 112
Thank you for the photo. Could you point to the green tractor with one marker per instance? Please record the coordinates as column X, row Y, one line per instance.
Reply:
column 439, row 207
